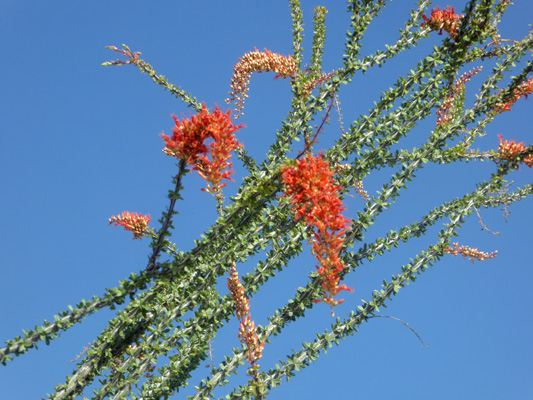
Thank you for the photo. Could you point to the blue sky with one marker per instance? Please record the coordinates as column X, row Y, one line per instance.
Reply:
column 79, row 143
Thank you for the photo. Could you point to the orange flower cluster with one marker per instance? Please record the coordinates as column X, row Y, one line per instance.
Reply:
column 524, row 89
column 510, row 150
column 133, row 222
column 315, row 198
column 247, row 329
column 256, row 61
column 445, row 20
column 443, row 114
column 466, row 251
column 189, row 142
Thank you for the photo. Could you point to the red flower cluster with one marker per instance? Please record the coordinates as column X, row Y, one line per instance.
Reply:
column 445, row 20
column 315, row 198
column 510, row 150
column 133, row 222
column 524, row 89
column 189, row 142
column 247, row 329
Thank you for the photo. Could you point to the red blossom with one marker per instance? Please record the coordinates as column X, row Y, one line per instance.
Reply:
column 314, row 195
column 510, row 150
column 445, row 20
column 524, row 89
column 189, row 141
column 133, row 222
column 315, row 198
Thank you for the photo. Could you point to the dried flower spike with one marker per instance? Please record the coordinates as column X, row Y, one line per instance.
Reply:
column 247, row 329
column 361, row 190
column 309, row 86
column 256, row 61
column 473, row 254
column 444, row 113
column 133, row 222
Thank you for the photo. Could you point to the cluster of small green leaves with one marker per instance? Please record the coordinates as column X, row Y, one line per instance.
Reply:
column 174, row 310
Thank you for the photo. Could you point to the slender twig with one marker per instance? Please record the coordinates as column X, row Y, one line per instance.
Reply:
column 483, row 225
column 167, row 218
column 310, row 142
column 403, row 322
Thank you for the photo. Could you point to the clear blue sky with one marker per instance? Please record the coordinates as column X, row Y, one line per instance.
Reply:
column 79, row 143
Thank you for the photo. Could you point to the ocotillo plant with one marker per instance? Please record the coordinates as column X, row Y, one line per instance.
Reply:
column 293, row 201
